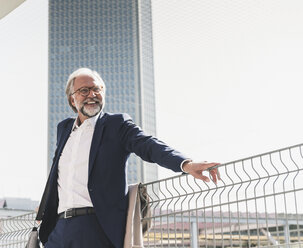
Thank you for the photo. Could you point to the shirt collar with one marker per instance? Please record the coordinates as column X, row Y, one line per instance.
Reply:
column 90, row 121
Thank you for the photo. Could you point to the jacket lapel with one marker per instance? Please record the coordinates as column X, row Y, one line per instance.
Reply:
column 96, row 141
column 64, row 136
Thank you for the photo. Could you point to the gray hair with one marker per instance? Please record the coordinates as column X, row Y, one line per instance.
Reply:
column 80, row 72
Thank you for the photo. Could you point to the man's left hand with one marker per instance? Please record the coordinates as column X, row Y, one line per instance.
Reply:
column 197, row 169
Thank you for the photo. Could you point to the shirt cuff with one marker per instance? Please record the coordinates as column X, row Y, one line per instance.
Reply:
column 184, row 161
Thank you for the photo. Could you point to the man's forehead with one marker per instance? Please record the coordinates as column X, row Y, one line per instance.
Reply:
column 84, row 77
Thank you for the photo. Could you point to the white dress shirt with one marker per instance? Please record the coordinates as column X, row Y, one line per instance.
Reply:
column 73, row 167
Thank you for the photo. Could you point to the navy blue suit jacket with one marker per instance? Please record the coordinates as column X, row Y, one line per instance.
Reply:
column 115, row 138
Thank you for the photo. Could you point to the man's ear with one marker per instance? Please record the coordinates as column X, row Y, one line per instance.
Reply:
column 72, row 100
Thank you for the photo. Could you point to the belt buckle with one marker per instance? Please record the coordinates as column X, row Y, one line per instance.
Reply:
column 68, row 213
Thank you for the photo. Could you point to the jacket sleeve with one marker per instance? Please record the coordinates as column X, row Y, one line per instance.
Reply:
column 148, row 147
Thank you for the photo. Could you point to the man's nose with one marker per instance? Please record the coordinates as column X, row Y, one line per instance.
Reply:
column 91, row 93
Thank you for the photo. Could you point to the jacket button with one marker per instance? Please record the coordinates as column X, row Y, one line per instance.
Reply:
column 90, row 190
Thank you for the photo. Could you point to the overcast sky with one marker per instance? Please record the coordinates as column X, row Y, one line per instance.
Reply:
column 228, row 78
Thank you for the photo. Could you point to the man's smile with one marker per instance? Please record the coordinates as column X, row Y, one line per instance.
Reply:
column 91, row 103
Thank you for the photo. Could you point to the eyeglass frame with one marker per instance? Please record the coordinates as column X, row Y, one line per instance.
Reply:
column 89, row 88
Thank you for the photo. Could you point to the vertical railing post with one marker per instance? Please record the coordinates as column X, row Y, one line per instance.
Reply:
column 286, row 235
column 194, row 233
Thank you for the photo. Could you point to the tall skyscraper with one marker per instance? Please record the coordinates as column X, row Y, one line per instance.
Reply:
column 113, row 37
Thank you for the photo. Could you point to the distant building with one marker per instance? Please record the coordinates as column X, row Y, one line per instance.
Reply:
column 8, row 213
column 10, row 206
column 115, row 39
column 18, row 203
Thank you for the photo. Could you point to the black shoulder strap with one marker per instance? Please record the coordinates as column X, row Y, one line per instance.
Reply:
column 43, row 200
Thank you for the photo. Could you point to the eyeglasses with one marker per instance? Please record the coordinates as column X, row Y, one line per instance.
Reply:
column 84, row 91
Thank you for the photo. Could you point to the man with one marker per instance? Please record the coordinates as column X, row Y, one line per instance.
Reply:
column 87, row 198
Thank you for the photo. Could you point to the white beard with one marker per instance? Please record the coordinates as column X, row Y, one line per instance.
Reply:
column 89, row 111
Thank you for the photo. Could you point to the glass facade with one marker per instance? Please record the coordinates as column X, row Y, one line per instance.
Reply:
column 113, row 37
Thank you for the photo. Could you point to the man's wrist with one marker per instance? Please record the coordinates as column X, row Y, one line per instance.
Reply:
column 183, row 165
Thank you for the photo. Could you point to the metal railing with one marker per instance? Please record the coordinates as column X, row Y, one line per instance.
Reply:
column 14, row 231
column 258, row 203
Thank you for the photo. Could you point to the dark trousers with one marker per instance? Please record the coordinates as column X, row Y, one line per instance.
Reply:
column 78, row 232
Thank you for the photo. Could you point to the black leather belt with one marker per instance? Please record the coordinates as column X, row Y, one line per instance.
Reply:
column 73, row 212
